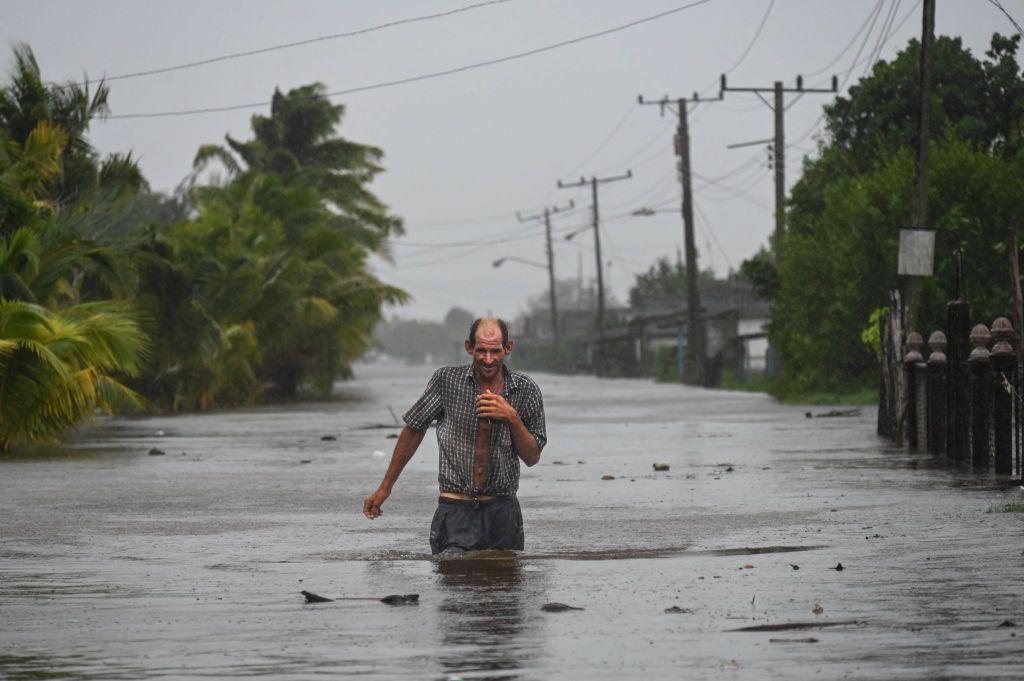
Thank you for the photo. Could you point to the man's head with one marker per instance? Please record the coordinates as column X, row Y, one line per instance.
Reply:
column 489, row 344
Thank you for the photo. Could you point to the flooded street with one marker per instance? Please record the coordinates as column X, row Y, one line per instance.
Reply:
column 115, row 564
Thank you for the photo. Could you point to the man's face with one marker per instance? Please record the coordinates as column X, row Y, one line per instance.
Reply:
column 488, row 352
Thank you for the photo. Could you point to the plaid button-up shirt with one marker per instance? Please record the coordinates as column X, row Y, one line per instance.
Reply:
column 450, row 399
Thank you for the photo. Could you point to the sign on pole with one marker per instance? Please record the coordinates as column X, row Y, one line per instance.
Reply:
column 917, row 252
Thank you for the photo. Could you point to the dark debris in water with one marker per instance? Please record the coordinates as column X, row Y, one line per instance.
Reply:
column 793, row 626
column 316, row 598
column 675, row 609
column 558, row 607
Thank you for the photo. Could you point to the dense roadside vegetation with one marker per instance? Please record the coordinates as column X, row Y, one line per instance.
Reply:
column 241, row 288
column 838, row 259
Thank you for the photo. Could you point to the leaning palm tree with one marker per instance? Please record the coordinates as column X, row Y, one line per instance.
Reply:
column 298, row 141
column 59, row 368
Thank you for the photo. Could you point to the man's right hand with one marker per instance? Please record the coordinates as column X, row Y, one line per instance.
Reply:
column 371, row 506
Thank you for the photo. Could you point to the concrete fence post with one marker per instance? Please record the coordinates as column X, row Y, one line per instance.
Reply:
column 937, row 393
column 911, row 359
column 981, row 395
column 958, row 314
column 1004, row 370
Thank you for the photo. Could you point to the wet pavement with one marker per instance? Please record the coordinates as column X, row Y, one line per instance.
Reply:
column 115, row 564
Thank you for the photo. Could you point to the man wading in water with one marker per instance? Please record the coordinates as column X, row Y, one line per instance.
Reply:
column 488, row 418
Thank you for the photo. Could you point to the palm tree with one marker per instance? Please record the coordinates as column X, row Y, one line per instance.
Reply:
column 284, row 242
column 298, row 139
column 58, row 368
column 26, row 101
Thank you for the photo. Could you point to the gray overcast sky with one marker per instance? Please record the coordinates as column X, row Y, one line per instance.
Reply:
column 464, row 152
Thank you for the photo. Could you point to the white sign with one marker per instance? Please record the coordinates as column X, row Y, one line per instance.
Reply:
column 917, row 252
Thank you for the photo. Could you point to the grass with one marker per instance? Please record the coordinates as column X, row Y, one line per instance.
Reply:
column 1012, row 507
column 858, row 397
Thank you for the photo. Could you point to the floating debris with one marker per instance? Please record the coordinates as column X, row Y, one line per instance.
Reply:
column 835, row 413
column 817, row 609
column 1007, row 623
column 793, row 640
column 607, row 477
column 795, row 567
column 661, row 466
column 396, row 599
column 789, row 626
column 156, row 452
column 328, row 438
column 305, row 460
column 838, row 568
column 558, row 607
column 676, row 610
column 315, row 598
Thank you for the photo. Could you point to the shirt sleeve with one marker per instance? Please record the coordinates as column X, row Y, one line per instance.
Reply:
column 533, row 416
column 428, row 408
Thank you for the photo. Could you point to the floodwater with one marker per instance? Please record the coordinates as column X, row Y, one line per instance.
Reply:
column 119, row 565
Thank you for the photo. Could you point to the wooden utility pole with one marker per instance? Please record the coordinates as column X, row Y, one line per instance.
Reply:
column 920, row 217
column 779, row 108
column 548, row 212
column 594, row 182
column 919, row 214
column 695, row 368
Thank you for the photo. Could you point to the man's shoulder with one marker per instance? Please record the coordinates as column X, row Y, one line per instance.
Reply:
column 449, row 373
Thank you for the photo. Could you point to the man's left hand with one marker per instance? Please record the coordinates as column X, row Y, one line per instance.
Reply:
column 492, row 406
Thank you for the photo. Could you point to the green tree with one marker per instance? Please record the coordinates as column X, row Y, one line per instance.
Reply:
column 838, row 260
column 662, row 280
column 58, row 368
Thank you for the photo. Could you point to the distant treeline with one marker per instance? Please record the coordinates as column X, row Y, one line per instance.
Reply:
column 418, row 340
column 236, row 289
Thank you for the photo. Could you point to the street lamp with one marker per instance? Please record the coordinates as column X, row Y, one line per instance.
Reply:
column 501, row 261
column 644, row 211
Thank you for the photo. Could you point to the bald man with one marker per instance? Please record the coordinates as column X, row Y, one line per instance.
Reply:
column 488, row 419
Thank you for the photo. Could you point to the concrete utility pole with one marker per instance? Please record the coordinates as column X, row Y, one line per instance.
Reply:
column 548, row 212
column 695, row 370
column 778, row 106
column 594, row 182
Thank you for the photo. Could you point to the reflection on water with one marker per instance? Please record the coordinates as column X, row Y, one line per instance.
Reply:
column 488, row 625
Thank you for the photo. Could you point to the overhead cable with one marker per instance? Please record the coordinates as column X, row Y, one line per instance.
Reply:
column 297, row 43
column 424, row 76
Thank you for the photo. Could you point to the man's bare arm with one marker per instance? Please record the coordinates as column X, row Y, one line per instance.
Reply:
column 408, row 442
column 493, row 406
column 523, row 441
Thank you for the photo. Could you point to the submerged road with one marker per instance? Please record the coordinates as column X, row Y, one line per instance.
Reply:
column 115, row 564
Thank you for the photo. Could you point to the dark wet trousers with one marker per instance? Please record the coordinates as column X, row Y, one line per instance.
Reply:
column 462, row 525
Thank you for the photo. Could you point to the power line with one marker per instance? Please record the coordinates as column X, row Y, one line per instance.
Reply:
column 426, row 76
column 846, row 49
column 817, row 124
column 1013, row 21
column 297, row 43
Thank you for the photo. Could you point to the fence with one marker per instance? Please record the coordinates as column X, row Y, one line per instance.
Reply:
column 962, row 402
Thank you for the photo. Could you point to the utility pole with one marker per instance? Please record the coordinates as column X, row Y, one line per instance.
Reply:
column 927, row 46
column 594, row 182
column 695, row 371
column 919, row 216
column 778, row 106
column 548, row 212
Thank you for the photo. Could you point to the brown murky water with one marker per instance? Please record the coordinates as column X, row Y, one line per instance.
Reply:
column 119, row 565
